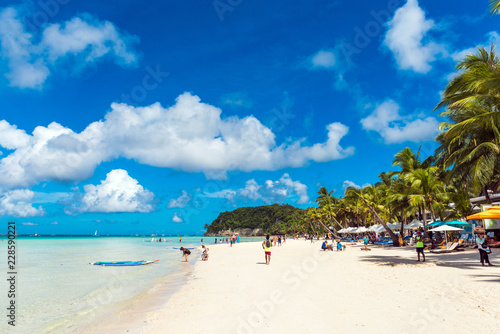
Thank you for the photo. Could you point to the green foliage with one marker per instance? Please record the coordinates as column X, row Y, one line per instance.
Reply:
column 271, row 219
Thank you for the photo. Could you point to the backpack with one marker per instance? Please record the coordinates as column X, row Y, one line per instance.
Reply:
column 268, row 244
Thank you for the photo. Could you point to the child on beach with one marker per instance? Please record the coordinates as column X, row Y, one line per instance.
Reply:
column 185, row 252
column 204, row 255
column 339, row 246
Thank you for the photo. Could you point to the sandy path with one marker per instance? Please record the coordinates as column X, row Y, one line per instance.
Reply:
column 306, row 290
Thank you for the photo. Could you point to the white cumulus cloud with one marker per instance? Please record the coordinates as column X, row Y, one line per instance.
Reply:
column 117, row 193
column 31, row 58
column 18, row 203
column 189, row 136
column 394, row 128
column 323, row 59
column 270, row 191
column 181, row 201
column 176, row 218
column 408, row 40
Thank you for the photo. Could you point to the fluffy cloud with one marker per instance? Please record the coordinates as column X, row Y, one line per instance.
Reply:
column 406, row 38
column 18, row 203
column 176, row 218
column 11, row 138
column 323, row 59
column 180, row 202
column 348, row 184
column 30, row 58
column 270, row 192
column 117, row 193
column 189, row 136
column 394, row 128
column 491, row 38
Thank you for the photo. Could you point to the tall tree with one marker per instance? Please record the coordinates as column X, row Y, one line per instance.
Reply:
column 470, row 141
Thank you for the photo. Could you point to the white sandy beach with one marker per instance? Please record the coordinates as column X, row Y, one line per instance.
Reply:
column 306, row 290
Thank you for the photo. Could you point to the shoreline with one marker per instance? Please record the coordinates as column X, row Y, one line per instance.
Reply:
column 306, row 290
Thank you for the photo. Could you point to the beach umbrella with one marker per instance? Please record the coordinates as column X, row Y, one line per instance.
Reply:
column 457, row 223
column 362, row 230
column 436, row 223
column 414, row 225
column 446, row 228
column 490, row 213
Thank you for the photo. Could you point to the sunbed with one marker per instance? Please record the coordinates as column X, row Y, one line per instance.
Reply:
column 448, row 250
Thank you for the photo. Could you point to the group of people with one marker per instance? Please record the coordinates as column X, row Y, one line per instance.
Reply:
column 235, row 238
column 186, row 252
column 325, row 246
column 482, row 242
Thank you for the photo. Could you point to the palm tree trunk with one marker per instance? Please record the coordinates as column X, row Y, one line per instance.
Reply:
column 486, row 195
column 395, row 241
column 424, row 215
column 403, row 222
column 433, row 215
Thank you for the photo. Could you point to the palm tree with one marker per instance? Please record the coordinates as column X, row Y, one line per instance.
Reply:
column 371, row 200
column 470, row 141
column 428, row 190
column 324, row 197
column 494, row 7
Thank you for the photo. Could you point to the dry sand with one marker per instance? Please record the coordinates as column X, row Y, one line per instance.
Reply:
column 306, row 290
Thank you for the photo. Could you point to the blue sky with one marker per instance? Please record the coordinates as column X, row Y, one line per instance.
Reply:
column 130, row 117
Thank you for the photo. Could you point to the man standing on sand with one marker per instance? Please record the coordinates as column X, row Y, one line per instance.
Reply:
column 420, row 245
column 267, row 244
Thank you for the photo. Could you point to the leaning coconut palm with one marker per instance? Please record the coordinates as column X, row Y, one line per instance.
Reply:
column 398, row 198
column 372, row 201
column 316, row 216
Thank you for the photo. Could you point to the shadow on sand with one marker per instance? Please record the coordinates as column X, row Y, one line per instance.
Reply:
column 462, row 260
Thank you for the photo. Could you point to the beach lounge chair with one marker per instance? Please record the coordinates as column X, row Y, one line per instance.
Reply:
column 448, row 250
column 442, row 245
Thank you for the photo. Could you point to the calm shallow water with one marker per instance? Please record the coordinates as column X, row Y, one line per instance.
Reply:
column 57, row 288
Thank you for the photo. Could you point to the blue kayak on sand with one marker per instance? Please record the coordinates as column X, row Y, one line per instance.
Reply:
column 123, row 263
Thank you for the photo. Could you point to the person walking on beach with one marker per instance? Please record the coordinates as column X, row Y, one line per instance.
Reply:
column 267, row 244
column 279, row 240
column 185, row 252
column 484, row 250
column 365, row 241
column 420, row 245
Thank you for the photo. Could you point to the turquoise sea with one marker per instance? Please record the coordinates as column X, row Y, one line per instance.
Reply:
column 58, row 291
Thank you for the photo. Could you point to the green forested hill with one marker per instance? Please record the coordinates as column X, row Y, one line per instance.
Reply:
column 272, row 219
